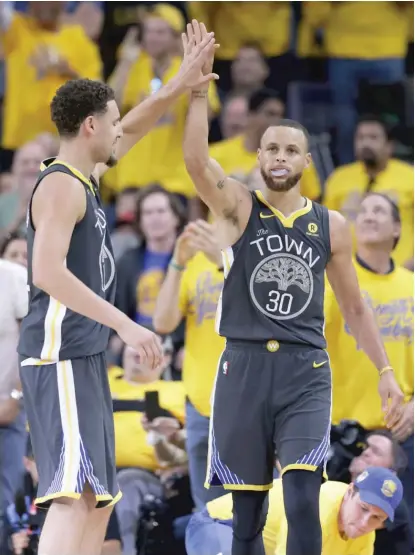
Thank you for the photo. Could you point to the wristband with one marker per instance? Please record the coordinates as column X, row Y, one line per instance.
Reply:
column 176, row 266
column 385, row 369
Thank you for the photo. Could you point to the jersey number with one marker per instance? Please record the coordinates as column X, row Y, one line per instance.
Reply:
column 279, row 303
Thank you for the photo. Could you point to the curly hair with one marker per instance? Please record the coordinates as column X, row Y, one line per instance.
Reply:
column 75, row 101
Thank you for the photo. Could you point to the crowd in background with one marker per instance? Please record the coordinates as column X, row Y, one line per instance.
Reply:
column 345, row 71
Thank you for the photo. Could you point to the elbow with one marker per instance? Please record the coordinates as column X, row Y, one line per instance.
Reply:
column 41, row 276
column 162, row 326
column 356, row 309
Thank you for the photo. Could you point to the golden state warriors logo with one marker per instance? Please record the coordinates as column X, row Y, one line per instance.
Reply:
column 388, row 488
column 273, row 346
column 312, row 228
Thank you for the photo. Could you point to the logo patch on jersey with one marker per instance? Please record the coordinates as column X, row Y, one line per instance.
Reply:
column 273, row 346
column 225, row 367
column 281, row 286
column 312, row 228
column 264, row 216
column 318, row 364
column 106, row 260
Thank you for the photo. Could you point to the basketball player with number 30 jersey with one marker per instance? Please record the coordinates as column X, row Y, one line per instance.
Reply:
column 72, row 287
column 273, row 385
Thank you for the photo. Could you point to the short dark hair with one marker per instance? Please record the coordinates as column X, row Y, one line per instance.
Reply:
column 257, row 99
column 396, row 213
column 294, row 125
column 400, row 460
column 176, row 205
column 13, row 236
column 371, row 118
column 75, row 101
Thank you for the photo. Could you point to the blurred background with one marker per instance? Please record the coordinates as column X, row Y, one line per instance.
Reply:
column 342, row 69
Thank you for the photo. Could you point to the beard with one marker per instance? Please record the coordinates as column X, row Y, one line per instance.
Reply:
column 281, row 186
column 368, row 157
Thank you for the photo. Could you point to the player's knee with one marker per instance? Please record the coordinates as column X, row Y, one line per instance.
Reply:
column 301, row 495
column 250, row 510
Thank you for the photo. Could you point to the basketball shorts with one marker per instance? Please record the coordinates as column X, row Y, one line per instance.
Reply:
column 69, row 411
column 269, row 402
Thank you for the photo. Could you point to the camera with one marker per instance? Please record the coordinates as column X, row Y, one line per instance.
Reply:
column 348, row 440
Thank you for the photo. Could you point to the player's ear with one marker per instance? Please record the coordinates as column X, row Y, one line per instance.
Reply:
column 308, row 159
column 89, row 124
column 258, row 154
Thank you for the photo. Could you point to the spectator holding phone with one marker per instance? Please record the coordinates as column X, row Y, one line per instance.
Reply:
column 138, row 391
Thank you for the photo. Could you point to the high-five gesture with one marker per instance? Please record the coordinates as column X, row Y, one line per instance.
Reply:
column 198, row 51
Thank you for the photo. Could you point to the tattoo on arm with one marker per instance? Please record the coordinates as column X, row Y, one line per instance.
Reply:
column 220, row 184
column 199, row 94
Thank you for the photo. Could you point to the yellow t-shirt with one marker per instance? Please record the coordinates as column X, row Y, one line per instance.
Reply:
column 200, row 289
column 26, row 110
column 233, row 157
column 363, row 30
column 275, row 531
column 158, row 157
column 355, row 379
column 131, row 447
column 347, row 184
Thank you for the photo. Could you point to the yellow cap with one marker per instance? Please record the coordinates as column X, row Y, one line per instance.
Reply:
column 171, row 15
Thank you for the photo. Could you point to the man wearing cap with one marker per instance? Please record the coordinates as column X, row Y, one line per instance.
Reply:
column 388, row 289
column 145, row 64
column 349, row 516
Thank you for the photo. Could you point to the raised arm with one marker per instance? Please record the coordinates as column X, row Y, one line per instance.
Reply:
column 359, row 316
column 138, row 122
column 58, row 204
column 227, row 198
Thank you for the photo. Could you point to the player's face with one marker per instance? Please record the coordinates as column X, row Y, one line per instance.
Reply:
column 371, row 143
column 377, row 453
column 158, row 37
column 107, row 133
column 360, row 518
column 375, row 224
column 283, row 157
column 16, row 252
column 157, row 219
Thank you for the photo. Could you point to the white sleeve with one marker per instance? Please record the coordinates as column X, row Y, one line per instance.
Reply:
column 20, row 291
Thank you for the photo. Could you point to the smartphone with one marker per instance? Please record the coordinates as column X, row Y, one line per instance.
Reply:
column 152, row 406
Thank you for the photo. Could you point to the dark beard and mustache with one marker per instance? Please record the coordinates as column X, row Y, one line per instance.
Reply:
column 281, row 186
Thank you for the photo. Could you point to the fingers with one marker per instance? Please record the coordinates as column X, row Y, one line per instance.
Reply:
column 393, row 415
column 142, row 354
column 185, row 43
column 197, row 31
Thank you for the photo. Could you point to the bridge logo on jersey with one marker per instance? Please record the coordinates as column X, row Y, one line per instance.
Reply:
column 106, row 260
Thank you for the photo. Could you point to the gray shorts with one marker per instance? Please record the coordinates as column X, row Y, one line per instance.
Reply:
column 269, row 401
column 69, row 411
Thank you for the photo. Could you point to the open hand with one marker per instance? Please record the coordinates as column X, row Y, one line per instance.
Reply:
column 392, row 398
column 202, row 238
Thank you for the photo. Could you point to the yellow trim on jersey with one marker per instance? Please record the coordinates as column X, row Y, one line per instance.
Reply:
column 72, row 495
column 53, row 330
column 297, row 466
column 242, row 487
column 287, row 221
column 76, row 172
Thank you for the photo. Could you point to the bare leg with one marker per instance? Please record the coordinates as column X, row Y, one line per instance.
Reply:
column 95, row 530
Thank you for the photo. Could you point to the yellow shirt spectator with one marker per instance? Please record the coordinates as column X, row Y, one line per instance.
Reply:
column 355, row 379
column 26, row 110
column 200, row 288
column 347, row 184
column 131, row 447
column 158, row 157
column 363, row 30
column 275, row 531
column 267, row 24
column 234, row 158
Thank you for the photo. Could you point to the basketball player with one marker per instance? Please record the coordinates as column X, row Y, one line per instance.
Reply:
column 273, row 385
column 72, row 286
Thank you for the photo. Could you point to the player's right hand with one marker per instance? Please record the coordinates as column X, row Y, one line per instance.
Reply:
column 146, row 343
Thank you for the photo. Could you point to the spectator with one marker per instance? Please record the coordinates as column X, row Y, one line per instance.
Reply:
column 389, row 291
column 14, row 248
column 234, row 116
column 13, row 205
column 375, row 170
column 13, row 303
column 142, row 69
column 125, row 235
column 134, row 454
column 239, row 155
column 396, row 538
column 363, row 40
column 24, row 521
column 141, row 270
column 349, row 516
column 191, row 291
column 249, row 70
column 40, row 54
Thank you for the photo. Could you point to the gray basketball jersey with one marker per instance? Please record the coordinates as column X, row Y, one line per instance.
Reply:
column 274, row 277
column 51, row 331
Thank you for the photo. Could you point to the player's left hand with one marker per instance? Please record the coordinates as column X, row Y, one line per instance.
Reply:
column 392, row 398
column 405, row 426
column 198, row 50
